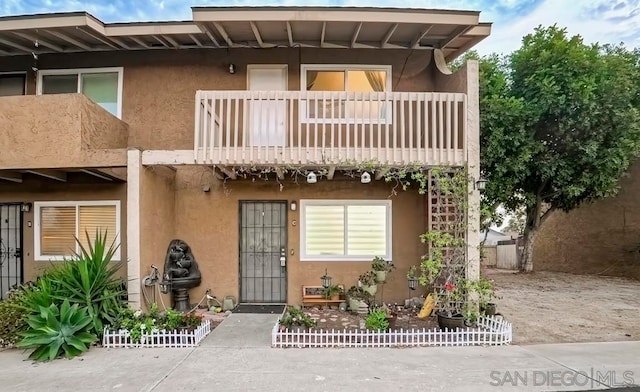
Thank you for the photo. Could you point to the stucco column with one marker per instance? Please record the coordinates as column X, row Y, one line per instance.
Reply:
column 134, row 167
column 473, row 166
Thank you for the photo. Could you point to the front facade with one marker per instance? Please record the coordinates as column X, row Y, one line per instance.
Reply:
column 260, row 136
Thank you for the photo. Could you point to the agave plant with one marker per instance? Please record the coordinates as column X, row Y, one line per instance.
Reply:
column 57, row 331
column 89, row 280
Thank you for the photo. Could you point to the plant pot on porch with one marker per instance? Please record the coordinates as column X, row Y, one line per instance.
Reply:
column 489, row 309
column 452, row 322
column 373, row 289
column 381, row 276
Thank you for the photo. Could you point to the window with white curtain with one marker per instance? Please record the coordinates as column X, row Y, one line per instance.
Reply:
column 102, row 85
column 58, row 224
column 345, row 78
column 349, row 230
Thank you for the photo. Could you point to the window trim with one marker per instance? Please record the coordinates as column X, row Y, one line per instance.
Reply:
column 342, row 67
column 80, row 71
column 17, row 73
column 344, row 202
column 37, row 256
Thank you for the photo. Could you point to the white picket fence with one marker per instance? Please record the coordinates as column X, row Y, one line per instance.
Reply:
column 491, row 331
column 160, row 339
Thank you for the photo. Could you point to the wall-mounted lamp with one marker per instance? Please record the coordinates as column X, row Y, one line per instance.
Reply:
column 293, row 206
column 325, row 279
column 365, row 178
column 312, row 178
column 232, row 68
column 26, row 207
column 481, row 184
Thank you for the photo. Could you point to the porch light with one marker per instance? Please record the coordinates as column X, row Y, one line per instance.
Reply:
column 481, row 184
column 232, row 68
column 312, row 178
column 294, row 205
column 326, row 280
column 365, row 178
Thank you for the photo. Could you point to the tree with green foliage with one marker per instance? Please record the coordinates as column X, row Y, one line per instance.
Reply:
column 559, row 125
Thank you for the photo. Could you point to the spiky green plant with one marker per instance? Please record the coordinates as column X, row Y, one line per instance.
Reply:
column 57, row 331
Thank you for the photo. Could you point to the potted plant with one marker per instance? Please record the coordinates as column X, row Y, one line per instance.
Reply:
column 333, row 292
column 381, row 267
column 367, row 281
column 484, row 290
column 357, row 296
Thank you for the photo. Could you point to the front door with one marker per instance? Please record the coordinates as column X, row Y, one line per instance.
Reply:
column 267, row 117
column 10, row 247
column 263, row 251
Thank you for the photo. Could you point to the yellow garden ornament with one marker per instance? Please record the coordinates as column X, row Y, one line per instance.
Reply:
column 427, row 307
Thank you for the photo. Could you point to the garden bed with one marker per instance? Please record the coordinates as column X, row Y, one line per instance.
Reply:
column 179, row 338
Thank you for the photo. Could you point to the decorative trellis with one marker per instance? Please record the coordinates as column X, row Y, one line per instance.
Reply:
column 490, row 331
column 447, row 213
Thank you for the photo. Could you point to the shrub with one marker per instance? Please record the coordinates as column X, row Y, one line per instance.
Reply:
column 298, row 318
column 58, row 330
column 377, row 320
column 13, row 318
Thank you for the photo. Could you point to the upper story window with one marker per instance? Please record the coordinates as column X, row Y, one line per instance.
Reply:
column 337, row 107
column 12, row 84
column 102, row 85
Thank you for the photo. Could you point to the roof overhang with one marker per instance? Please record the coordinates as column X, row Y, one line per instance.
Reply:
column 453, row 32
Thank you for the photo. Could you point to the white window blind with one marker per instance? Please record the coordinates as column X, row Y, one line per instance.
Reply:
column 58, row 224
column 345, row 230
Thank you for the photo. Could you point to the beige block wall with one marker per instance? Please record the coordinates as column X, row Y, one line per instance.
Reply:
column 208, row 222
column 34, row 189
column 597, row 238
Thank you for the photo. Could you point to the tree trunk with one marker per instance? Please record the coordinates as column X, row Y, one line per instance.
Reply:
column 526, row 261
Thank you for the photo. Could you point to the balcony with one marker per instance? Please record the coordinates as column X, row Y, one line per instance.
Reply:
column 280, row 128
column 59, row 131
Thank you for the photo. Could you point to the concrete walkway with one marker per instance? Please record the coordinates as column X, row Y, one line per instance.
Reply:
column 243, row 330
column 253, row 368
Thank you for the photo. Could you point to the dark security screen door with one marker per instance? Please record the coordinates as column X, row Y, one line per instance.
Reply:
column 263, row 242
column 10, row 247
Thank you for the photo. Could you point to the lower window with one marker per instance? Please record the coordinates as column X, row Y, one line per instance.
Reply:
column 58, row 224
column 350, row 230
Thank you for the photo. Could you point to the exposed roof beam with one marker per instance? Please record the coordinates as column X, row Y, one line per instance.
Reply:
column 5, row 53
column 68, row 39
column 163, row 42
column 10, row 176
column 388, row 35
column 33, row 39
column 210, row 35
column 194, row 39
column 324, row 29
column 17, row 46
column 51, row 174
column 139, row 42
column 229, row 173
column 119, row 42
column 289, row 33
column 172, row 41
column 456, row 33
column 96, row 173
column 223, row 33
column 96, row 37
column 331, row 173
column 416, row 41
column 256, row 33
column 355, row 34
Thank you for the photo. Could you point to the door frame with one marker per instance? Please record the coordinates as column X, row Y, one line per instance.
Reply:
column 284, row 68
column 286, row 241
column 20, row 231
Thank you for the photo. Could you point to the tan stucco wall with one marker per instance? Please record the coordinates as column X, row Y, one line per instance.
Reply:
column 59, row 131
column 35, row 189
column 596, row 238
column 208, row 222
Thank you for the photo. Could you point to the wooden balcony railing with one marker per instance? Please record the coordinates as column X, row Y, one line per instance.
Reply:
column 328, row 127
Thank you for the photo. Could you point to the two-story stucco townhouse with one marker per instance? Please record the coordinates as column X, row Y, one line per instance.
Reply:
column 167, row 130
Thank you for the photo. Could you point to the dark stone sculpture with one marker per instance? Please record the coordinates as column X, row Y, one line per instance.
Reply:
column 181, row 273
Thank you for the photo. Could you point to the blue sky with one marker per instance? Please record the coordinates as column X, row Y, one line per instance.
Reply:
column 604, row 21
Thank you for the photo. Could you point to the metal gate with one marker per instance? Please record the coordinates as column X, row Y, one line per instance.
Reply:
column 10, row 247
column 263, row 252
